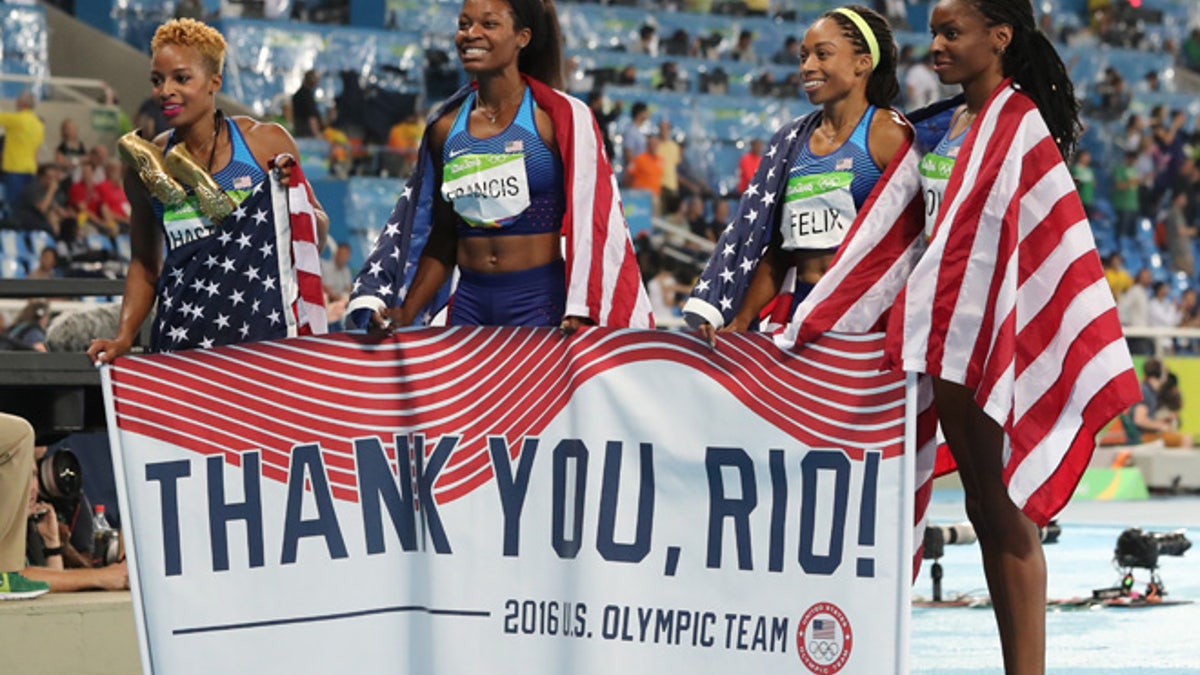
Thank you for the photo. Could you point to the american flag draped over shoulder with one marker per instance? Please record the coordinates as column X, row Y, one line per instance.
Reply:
column 255, row 277
column 604, row 283
column 1010, row 300
column 880, row 250
column 722, row 285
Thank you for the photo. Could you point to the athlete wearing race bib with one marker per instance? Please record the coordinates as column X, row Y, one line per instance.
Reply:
column 824, row 192
column 817, row 174
column 207, row 262
column 510, row 183
column 491, row 192
column 936, row 166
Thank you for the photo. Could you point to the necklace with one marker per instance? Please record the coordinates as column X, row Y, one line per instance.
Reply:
column 830, row 136
column 217, row 119
column 490, row 114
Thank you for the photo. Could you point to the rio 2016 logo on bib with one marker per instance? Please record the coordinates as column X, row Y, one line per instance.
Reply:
column 818, row 210
column 824, row 639
column 487, row 190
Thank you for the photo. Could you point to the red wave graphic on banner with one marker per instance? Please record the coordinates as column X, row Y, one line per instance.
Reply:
column 480, row 382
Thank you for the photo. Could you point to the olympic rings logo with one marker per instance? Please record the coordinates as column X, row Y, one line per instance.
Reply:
column 824, row 650
column 824, row 639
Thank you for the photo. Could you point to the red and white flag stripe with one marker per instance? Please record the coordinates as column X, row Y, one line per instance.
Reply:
column 1010, row 300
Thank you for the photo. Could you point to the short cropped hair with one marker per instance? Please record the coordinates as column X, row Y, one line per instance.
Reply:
column 207, row 40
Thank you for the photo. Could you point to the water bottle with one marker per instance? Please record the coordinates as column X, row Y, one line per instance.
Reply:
column 105, row 543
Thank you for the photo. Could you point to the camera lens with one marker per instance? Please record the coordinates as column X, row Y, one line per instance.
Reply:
column 59, row 475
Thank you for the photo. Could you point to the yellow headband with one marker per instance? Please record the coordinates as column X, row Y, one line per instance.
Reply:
column 865, row 29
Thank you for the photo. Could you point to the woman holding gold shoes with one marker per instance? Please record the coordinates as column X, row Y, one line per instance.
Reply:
column 236, row 269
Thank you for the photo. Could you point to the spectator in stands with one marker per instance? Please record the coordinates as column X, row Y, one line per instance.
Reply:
column 335, row 273
column 29, row 328
column 70, row 151
column 1163, row 312
column 87, row 200
column 671, row 154
column 1148, row 424
column 1150, row 84
column 789, row 53
column 72, row 245
column 1170, row 138
column 23, row 135
column 1125, row 196
column 645, row 172
column 662, row 286
column 1085, row 181
column 719, row 220
column 715, row 81
column 748, row 164
column 16, row 473
column 1118, row 278
column 114, row 204
column 1113, row 95
column 404, row 140
column 709, row 47
column 1131, row 141
column 507, row 245
column 235, row 153
column 743, row 50
column 849, row 69
column 41, row 206
column 627, row 76
column 921, row 85
column 306, row 116
column 1134, row 309
column 633, row 133
column 1180, row 233
column 679, row 43
column 606, row 114
column 647, row 41
column 670, row 78
column 47, row 267
column 1190, row 52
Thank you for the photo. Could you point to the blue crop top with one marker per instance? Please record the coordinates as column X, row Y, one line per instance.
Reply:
column 510, row 183
column 184, row 224
column 824, row 192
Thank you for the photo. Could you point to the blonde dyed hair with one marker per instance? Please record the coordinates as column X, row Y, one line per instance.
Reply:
column 206, row 40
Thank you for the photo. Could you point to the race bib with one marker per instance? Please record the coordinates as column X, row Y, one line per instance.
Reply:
column 488, row 190
column 817, row 211
column 935, row 176
column 184, row 224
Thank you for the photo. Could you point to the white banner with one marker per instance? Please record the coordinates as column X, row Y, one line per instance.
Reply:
column 508, row 500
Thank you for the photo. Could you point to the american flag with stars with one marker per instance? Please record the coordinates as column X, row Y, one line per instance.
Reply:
column 721, row 287
column 250, row 279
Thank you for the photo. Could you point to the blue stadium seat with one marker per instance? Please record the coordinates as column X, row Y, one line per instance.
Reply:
column 11, row 267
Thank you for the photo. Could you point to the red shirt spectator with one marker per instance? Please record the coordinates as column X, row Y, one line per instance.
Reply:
column 748, row 164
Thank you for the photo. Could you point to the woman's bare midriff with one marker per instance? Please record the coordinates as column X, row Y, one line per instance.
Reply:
column 511, row 253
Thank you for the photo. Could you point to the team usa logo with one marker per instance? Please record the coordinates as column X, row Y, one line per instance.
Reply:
column 824, row 639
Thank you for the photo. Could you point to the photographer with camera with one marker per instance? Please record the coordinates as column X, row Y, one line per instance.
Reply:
column 50, row 555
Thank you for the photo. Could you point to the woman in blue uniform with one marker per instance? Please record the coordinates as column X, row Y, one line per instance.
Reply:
column 235, row 153
column 498, row 178
column 832, row 159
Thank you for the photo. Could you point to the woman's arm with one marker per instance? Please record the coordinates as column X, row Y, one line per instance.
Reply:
column 145, row 241
column 888, row 134
column 440, row 253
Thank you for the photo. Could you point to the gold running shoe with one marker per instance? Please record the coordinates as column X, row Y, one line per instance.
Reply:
column 214, row 203
column 146, row 159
